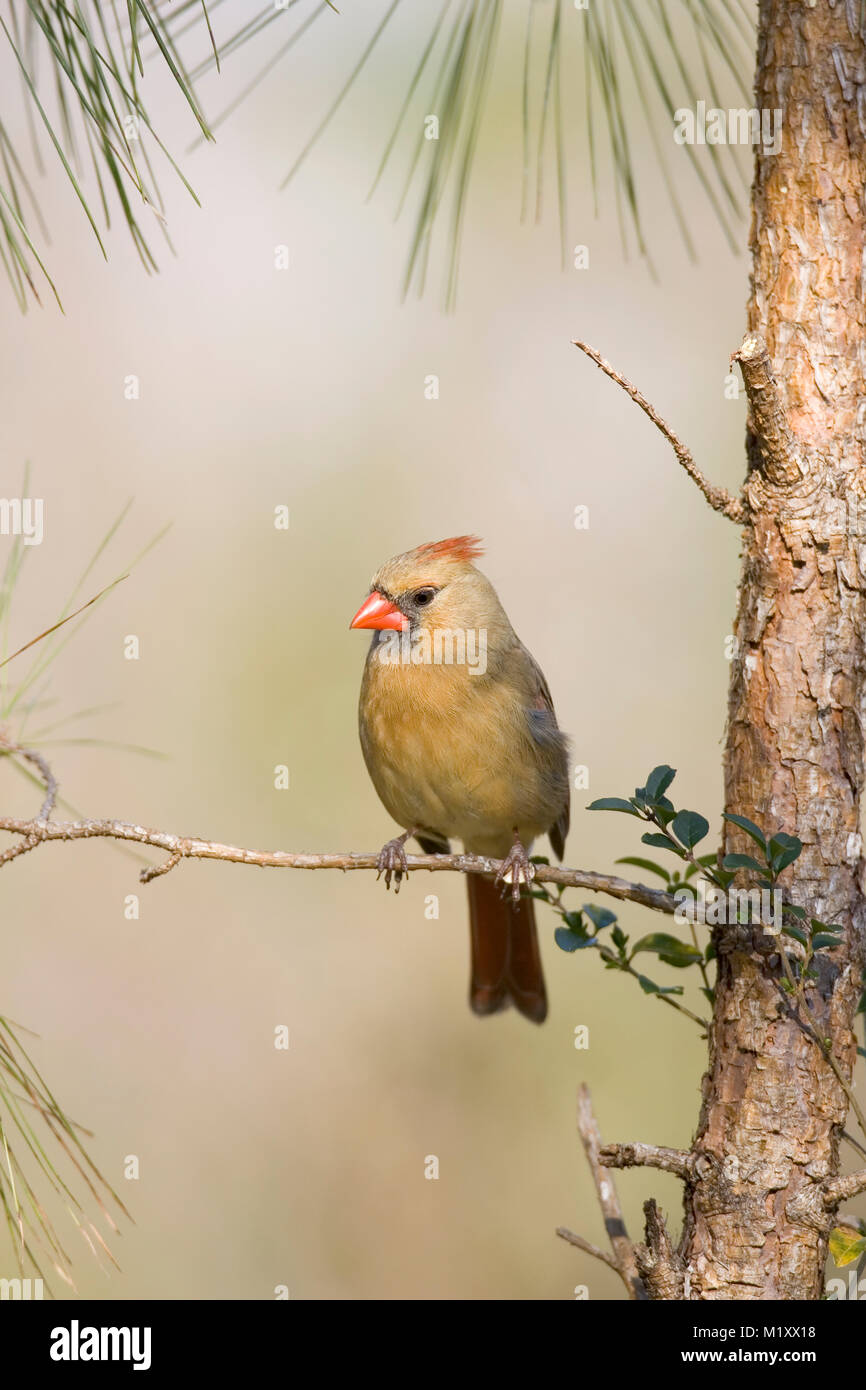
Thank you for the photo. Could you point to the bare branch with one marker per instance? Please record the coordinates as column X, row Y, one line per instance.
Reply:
column 718, row 497
column 838, row 1190
column 46, row 776
column 179, row 847
column 777, row 448
column 587, row 1247
column 676, row 1161
column 659, row 1264
column 624, row 1256
column 157, row 870
column 855, row 1143
column 20, row 847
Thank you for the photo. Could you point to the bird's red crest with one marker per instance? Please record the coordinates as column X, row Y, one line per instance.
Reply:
column 457, row 547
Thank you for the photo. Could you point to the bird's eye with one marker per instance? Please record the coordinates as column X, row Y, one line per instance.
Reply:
column 424, row 596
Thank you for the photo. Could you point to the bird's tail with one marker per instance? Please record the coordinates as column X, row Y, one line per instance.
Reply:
column 506, row 964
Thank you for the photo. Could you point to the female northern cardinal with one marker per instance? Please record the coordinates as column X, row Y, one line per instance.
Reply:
column 461, row 741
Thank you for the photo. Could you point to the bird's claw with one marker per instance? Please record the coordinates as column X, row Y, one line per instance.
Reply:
column 392, row 861
column 516, row 866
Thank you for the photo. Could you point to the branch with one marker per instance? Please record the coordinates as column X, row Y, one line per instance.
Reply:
column 814, row 1204
column 49, row 781
column 659, row 1264
column 178, row 847
column 652, row 1269
column 623, row 1259
column 587, row 1247
column 676, row 1161
column 777, row 447
column 719, row 499
column 838, row 1190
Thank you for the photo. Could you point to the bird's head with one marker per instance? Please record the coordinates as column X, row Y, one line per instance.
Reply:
column 434, row 586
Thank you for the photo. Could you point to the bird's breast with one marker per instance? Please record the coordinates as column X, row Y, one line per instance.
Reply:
column 452, row 752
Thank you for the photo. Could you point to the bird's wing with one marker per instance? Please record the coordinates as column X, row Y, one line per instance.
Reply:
column 546, row 731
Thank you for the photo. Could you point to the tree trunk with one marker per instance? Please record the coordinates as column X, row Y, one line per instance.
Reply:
column 757, row 1218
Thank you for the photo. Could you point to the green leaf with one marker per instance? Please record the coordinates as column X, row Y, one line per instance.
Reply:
column 600, row 917
column 649, row 987
column 569, row 941
column 619, row 937
column 723, row 878
column 846, row 1245
column 613, row 803
column 824, row 939
column 783, row 850
column 799, row 912
column 797, row 933
column 743, row 861
column 575, row 921
column 690, row 828
column 824, row 926
column 750, row 829
column 658, row 781
column 647, row 864
column 669, row 949
column 662, row 842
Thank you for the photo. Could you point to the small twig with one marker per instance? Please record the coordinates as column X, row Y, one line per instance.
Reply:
column 702, row 1023
column 587, row 1247
column 718, row 497
column 842, row 1189
column 779, row 455
column 676, row 1161
column 157, row 870
column 14, row 851
column 46, row 776
column 702, row 872
column 625, row 1262
column 855, row 1143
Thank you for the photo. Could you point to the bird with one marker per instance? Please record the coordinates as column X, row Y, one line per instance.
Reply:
column 461, row 742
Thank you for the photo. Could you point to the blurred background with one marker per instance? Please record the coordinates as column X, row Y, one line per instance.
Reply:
column 306, row 387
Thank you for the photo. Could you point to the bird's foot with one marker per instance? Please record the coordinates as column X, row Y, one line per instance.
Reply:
column 392, row 861
column 516, row 866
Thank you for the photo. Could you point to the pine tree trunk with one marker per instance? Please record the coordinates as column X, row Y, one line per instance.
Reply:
column 757, row 1219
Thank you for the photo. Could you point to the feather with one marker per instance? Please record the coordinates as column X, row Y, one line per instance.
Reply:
column 457, row 547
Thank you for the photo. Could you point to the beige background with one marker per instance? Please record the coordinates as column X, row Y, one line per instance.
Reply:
column 306, row 1168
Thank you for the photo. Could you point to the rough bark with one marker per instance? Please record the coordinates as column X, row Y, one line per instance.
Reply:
column 761, row 1178
column 773, row 1108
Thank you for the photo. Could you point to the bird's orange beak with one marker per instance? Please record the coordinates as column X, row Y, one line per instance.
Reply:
column 379, row 612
